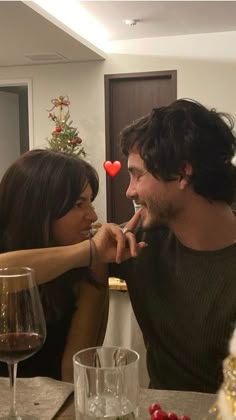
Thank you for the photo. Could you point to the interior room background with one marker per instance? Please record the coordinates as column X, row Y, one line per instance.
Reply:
column 207, row 73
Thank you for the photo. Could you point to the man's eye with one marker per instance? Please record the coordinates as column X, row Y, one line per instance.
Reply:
column 138, row 177
column 135, row 178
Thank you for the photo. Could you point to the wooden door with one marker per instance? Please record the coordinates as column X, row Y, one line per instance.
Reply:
column 127, row 98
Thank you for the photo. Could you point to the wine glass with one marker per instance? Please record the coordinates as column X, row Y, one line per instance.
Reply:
column 22, row 323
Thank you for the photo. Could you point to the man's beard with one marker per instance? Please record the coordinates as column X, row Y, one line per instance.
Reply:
column 160, row 213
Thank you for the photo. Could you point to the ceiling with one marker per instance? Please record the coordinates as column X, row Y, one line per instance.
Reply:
column 31, row 38
column 163, row 18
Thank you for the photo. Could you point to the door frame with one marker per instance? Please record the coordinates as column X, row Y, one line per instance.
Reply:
column 108, row 78
column 28, row 83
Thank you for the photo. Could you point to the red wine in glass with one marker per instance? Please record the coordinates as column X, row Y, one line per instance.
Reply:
column 22, row 323
column 15, row 347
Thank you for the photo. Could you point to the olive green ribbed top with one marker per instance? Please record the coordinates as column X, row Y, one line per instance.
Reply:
column 185, row 304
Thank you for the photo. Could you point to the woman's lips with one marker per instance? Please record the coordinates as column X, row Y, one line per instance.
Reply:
column 85, row 232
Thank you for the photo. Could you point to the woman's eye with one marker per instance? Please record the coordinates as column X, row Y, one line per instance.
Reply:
column 78, row 205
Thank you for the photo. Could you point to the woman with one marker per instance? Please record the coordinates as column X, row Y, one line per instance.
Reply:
column 46, row 201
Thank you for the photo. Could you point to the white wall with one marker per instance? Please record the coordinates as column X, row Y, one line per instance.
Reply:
column 211, row 82
column 209, row 46
column 10, row 131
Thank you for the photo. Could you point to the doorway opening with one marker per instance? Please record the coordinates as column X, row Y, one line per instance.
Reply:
column 16, row 120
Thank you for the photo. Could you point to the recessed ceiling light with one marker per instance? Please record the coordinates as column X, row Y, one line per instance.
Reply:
column 131, row 22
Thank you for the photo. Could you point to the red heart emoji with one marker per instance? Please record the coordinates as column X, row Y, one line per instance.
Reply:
column 112, row 168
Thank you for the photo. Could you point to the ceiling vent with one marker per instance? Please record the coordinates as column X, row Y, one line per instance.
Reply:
column 46, row 57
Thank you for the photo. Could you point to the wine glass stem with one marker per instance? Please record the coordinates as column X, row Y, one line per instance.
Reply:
column 12, row 367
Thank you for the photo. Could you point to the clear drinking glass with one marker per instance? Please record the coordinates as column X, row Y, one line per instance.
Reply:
column 22, row 323
column 106, row 383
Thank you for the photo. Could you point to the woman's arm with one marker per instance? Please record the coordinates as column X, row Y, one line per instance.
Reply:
column 108, row 245
column 88, row 325
column 49, row 263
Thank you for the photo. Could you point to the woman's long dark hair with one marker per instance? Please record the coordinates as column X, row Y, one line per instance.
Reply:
column 38, row 188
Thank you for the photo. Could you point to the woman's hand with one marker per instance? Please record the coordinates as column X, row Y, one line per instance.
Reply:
column 111, row 241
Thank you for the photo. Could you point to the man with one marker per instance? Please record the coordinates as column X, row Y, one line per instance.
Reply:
column 183, row 286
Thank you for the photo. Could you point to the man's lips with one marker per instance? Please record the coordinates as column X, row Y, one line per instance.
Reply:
column 141, row 204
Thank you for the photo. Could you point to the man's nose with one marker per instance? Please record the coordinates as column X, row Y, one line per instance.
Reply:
column 131, row 191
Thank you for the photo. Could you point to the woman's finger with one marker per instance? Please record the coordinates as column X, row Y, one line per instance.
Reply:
column 120, row 241
column 130, row 237
column 134, row 221
column 126, row 253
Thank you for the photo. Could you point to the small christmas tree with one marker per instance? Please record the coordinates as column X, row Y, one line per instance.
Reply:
column 64, row 137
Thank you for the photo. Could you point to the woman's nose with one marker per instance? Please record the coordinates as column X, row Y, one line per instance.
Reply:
column 92, row 215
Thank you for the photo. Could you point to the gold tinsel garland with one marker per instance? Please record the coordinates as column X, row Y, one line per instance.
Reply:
column 227, row 392
column 229, row 385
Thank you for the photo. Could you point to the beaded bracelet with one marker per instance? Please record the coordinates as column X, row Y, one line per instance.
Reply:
column 91, row 253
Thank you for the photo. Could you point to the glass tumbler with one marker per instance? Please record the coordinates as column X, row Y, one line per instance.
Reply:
column 106, row 383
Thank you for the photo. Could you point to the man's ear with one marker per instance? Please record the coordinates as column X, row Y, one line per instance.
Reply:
column 184, row 179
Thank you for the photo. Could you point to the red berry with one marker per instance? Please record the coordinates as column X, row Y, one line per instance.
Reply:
column 154, row 415
column 184, row 418
column 58, row 129
column 172, row 416
column 153, row 407
column 159, row 415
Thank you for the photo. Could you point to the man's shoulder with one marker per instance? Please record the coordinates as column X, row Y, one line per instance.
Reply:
column 158, row 240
